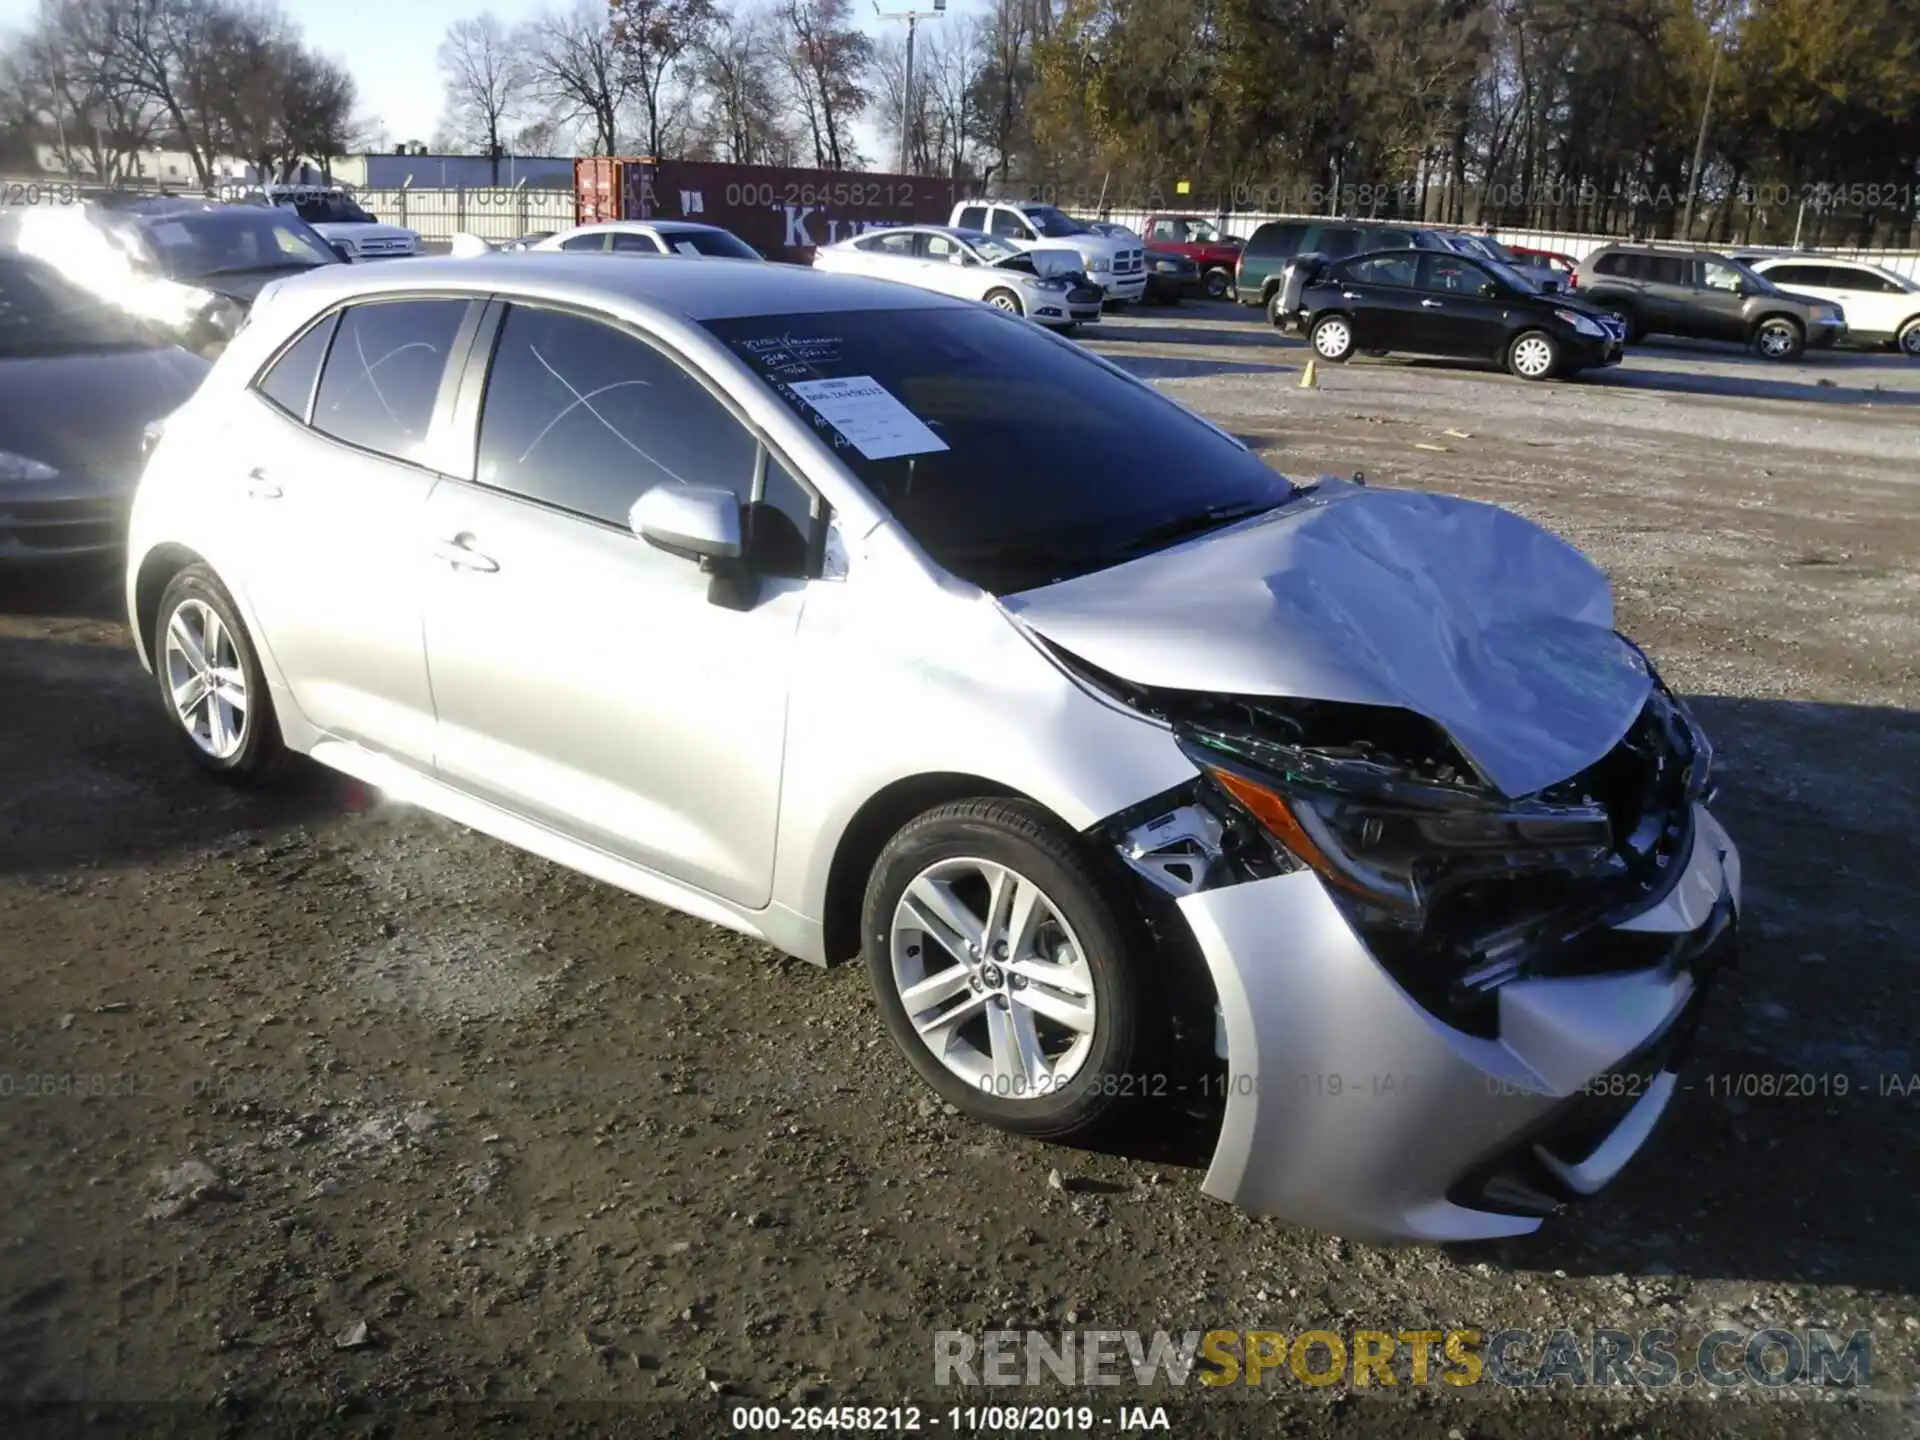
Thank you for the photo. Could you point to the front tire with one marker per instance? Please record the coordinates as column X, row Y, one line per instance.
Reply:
column 1909, row 339
column 1332, row 338
column 1534, row 355
column 1006, row 967
column 1779, row 338
column 1005, row 300
column 211, row 682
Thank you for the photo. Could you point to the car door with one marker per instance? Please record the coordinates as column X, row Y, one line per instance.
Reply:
column 944, row 264
column 340, row 459
column 1721, row 299
column 1670, row 297
column 1861, row 295
column 1456, row 315
column 583, row 679
column 889, row 255
column 1379, row 292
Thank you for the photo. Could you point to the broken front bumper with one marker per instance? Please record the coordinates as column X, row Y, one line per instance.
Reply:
column 1352, row 1109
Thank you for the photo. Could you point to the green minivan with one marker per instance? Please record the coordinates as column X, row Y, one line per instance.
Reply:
column 1264, row 258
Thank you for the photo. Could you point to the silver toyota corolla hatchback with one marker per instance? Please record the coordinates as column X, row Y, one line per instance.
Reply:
column 866, row 620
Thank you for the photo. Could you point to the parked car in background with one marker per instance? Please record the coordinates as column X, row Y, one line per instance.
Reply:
column 529, row 240
column 1215, row 253
column 649, row 237
column 1485, row 247
column 1117, row 266
column 339, row 219
column 1172, row 278
column 1882, row 308
column 1565, row 266
column 1706, row 296
column 867, row 621
column 80, row 383
column 1427, row 302
column 1263, row 260
column 973, row 265
column 192, row 267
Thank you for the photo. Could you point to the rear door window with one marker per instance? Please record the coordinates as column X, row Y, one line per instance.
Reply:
column 631, row 242
column 1278, row 239
column 585, row 242
column 1667, row 269
column 1382, row 270
column 288, row 381
column 383, row 373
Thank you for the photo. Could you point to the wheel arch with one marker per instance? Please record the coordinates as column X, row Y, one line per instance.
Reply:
column 866, row 834
column 158, row 566
column 1768, row 316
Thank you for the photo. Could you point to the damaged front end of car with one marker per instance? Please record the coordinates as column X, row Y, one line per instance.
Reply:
column 1539, row 939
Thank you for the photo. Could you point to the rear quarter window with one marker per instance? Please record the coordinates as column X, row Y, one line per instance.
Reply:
column 1276, row 239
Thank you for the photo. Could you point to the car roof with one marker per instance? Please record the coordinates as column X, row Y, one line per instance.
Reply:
column 664, row 227
column 714, row 289
column 1644, row 247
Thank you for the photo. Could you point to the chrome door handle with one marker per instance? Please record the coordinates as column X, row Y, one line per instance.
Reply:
column 260, row 487
column 456, row 552
column 1432, row 304
column 1350, row 295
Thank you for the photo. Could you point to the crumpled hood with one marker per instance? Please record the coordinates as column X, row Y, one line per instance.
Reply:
column 1497, row 630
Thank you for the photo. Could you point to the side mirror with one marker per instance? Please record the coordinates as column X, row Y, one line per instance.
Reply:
column 701, row 523
column 694, row 522
column 1742, row 289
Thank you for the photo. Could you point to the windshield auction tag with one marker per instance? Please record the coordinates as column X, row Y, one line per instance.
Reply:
column 874, row 422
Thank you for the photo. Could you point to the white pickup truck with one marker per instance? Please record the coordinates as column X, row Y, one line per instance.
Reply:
column 1117, row 266
column 341, row 222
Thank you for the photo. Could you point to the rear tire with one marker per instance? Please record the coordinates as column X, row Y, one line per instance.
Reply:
column 1332, row 338
column 1218, row 283
column 1078, row 956
column 1779, row 337
column 1909, row 339
column 211, row 682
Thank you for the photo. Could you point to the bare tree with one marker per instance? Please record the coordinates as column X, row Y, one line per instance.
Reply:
column 485, row 79
column 738, row 75
column 575, row 67
column 949, row 62
column 61, row 80
column 828, row 61
column 655, row 39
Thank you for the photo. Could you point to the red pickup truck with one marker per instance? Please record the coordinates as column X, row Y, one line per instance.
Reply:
column 1200, row 241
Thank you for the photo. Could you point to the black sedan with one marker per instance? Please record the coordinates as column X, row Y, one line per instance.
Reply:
column 1427, row 302
column 1172, row 278
column 80, row 383
column 192, row 267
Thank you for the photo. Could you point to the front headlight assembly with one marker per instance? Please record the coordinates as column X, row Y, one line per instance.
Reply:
column 1585, row 324
column 1391, row 841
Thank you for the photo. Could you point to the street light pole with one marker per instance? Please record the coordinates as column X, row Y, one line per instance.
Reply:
column 1700, row 142
column 913, row 19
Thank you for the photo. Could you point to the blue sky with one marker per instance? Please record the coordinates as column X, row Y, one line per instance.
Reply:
column 389, row 46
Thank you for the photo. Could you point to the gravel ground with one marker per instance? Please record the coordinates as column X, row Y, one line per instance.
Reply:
column 312, row 1106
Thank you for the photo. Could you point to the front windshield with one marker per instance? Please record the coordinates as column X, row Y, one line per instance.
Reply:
column 721, row 243
column 331, row 210
column 990, row 248
column 41, row 313
column 231, row 240
column 1054, row 224
column 1012, row 459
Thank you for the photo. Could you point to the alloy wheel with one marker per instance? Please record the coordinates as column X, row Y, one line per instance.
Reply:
column 205, row 679
column 1533, row 356
column 1777, row 339
column 1910, row 340
column 1004, row 301
column 993, row 979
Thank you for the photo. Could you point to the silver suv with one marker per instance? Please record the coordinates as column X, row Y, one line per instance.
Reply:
column 1706, row 296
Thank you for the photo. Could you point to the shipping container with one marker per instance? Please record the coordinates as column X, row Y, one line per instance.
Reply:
column 783, row 213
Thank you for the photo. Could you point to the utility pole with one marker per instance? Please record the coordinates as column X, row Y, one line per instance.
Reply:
column 1700, row 143
column 913, row 19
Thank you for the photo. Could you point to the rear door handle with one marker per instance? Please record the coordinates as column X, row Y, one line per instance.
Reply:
column 1350, row 295
column 1432, row 304
column 260, row 486
column 458, row 552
